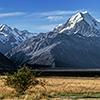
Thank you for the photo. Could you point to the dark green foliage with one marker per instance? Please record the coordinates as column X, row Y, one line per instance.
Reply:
column 21, row 80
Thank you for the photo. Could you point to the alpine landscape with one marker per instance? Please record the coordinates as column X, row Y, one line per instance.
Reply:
column 49, row 50
column 73, row 45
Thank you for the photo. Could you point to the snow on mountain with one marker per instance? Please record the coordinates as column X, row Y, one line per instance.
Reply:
column 73, row 45
column 10, row 38
column 81, row 23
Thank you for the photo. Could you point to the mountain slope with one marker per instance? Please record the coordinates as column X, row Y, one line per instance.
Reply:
column 5, row 63
column 75, row 44
column 10, row 38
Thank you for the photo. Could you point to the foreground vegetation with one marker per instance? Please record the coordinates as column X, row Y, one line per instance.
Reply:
column 21, row 80
column 55, row 88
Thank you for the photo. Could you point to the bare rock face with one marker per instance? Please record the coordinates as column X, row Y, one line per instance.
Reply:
column 73, row 45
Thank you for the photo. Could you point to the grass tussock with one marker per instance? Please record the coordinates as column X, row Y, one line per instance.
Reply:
column 56, row 87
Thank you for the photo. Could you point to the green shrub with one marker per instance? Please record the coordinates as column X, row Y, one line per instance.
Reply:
column 21, row 80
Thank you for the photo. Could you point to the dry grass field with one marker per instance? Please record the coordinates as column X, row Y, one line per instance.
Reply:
column 56, row 88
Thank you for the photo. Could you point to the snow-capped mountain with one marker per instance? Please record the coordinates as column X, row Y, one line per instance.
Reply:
column 5, row 63
column 10, row 38
column 82, row 23
column 75, row 44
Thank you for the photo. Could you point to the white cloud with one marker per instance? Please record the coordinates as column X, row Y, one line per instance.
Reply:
column 46, row 27
column 56, row 18
column 53, row 13
column 11, row 14
column 59, row 12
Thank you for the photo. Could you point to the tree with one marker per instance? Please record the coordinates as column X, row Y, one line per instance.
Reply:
column 21, row 80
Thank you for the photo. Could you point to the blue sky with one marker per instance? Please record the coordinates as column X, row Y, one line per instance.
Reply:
column 43, row 15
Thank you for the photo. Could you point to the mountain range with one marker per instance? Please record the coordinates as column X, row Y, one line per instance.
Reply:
column 72, row 45
column 10, row 38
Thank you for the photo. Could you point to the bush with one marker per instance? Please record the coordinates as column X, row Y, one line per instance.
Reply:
column 21, row 80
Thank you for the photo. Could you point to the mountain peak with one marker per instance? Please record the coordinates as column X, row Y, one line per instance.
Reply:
column 15, row 29
column 87, row 18
column 4, row 27
column 10, row 38
column 84, row 12
column 80, row 16
column 82, row 23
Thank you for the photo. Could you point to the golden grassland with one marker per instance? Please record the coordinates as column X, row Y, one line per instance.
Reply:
column 56, row 88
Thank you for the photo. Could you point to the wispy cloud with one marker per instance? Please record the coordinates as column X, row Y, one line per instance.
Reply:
column 11, row 14
column 53, row 13
column 46, row 27
column 59, row 12
column 56, row 18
